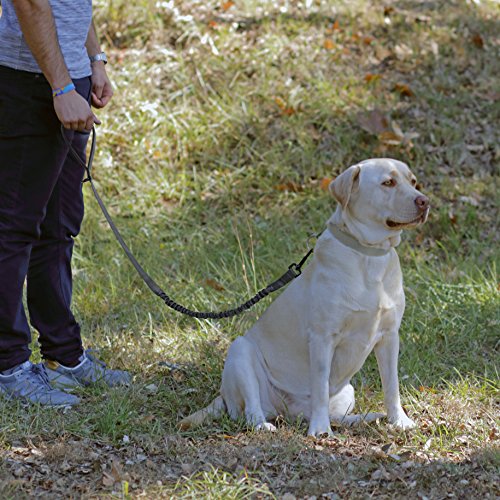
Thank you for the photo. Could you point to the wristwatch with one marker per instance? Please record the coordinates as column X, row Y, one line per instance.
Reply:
column 99, row 57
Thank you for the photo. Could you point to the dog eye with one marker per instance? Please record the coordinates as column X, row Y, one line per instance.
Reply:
column 414, row 182
column 389, row 183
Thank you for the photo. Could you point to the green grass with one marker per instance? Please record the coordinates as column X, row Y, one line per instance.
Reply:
column 211, row 158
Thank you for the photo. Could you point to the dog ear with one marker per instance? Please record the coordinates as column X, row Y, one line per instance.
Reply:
column 342, row 186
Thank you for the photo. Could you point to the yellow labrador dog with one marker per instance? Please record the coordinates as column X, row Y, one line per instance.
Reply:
column 298, row 359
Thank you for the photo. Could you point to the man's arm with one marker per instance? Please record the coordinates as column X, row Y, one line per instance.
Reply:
column 39, row 30
column 102, row 90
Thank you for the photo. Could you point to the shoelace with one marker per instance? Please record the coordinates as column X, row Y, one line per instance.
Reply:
column 39, row 370
column 37, row 378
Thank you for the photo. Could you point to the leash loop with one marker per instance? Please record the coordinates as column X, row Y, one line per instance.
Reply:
column 294, row 270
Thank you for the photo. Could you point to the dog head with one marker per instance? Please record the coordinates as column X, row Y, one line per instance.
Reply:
column 378, row 199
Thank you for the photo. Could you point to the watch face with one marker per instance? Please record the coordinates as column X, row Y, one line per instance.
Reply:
column 99, row 57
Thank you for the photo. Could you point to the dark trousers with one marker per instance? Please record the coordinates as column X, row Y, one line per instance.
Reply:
column 41, row 210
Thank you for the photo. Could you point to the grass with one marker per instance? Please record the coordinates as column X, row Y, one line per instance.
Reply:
column 211, row 158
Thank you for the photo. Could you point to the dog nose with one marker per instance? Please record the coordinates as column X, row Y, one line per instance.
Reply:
column 422, row 202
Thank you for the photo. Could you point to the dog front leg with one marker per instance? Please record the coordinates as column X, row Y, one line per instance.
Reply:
column 320, row 362
column 387, row 351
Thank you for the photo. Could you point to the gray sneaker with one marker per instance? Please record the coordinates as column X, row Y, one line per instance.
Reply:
column 89, row 371
column 30, row 383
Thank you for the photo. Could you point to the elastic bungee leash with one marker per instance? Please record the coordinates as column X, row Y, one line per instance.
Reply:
column 294, row 270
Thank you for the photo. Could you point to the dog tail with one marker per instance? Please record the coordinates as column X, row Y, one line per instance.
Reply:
column 213, row 410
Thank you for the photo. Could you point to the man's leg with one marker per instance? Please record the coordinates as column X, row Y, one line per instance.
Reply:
column 49, row 274
column 31, row 157
column 41, row 209
column 50, row 285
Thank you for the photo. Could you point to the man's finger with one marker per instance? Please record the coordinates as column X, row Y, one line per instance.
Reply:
column 96, row 120
column 97, row 90
column 89, row 123
column 96, row 101
column 105, row 99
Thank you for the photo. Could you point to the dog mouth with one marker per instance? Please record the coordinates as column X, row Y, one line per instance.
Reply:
column 414, row 222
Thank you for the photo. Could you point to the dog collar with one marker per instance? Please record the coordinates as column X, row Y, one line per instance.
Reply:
column 351, row 242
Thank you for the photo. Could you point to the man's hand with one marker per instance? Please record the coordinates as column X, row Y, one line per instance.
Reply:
column 102, row 91
column 74, row 112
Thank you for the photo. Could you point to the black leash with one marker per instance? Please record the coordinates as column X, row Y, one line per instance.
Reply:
column 294, row 270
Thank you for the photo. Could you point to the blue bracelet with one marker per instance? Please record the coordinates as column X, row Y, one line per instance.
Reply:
column 63, row 90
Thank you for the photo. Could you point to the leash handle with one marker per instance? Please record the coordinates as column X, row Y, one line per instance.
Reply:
column 294, row 270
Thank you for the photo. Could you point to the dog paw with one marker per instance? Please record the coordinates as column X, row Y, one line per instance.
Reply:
column 265, row 426
column 320, row 431
column 351, row 420
column 402, row 422
column 320, row 434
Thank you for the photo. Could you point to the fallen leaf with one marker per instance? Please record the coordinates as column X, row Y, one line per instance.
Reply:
column 378, row 453
column 367, row 40
column 423, row 388
column 227, row 5
column 404, row 89
column 18, row 472
column 289, row 186
column 328, row 44
column 380, row 474
column 372, row 77
column 391, row 138
column 178, row 376
column 477, row 40
column 285, row 109
column 325, row 183
column 381, row 52
column 108, row 479
column 452, row 217
column 213, row 284
column 397, row 129
column 117, row 470
column 374, row 122
column 280, row 102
